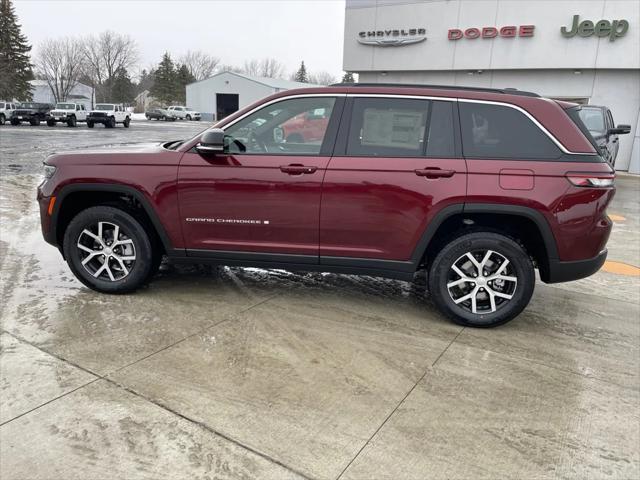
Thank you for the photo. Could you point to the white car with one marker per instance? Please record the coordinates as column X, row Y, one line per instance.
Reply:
column 5, row 111
column 108, row 114
column 183, row 113
column 69, row 113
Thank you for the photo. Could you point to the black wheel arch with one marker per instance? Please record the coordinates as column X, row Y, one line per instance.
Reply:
column 59, row 220
column 453, row 217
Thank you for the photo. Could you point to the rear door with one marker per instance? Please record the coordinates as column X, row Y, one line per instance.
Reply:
column 397, row 163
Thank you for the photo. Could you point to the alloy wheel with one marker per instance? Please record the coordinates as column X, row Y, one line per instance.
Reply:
column 106, row 251
column 482, row 281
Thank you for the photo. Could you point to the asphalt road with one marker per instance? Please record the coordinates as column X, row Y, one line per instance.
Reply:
column 247, row 373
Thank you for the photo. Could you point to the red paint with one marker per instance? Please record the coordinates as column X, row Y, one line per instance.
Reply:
column 374, row 208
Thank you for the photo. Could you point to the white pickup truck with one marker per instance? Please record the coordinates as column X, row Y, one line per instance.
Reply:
column 182, row 113
column 69, row 113
column 108, row 114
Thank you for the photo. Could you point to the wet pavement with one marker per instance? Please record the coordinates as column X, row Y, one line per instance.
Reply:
column 246, row 373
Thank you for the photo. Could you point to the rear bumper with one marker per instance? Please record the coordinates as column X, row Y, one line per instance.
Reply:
column 568, row 271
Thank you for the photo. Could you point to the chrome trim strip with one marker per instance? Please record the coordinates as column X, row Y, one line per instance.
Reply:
column 418, row 97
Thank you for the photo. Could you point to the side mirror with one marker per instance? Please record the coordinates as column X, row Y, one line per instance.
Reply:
column 211, row 141
column 619, row 130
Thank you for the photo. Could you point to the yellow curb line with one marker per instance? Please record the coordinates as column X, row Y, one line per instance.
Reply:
column 620, row 268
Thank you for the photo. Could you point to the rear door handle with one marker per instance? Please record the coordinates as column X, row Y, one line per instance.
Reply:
column 434, row 173
column 297, row 169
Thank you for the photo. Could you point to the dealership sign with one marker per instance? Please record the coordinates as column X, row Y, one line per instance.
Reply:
column 392, row 37
column 508, row 31
column 601, row 28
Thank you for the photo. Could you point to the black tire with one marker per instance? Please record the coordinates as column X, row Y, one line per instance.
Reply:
column 188, row 117
column 2, row 119
column 148, row 117
column 140, row 269
column 295, row 138
column 126, row 122
column 51, row 123
column 72, row 122
column 89, row 124
column 111, row 122
column 15, row 122
column 441, row 274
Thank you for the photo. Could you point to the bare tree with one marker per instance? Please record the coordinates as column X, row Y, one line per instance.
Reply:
column 267, row 67
column 272, row 68
column 105, row 55
column 60, row 63
column 230, row 68
column 322, row 78
column 200, row 64
column 251, row 67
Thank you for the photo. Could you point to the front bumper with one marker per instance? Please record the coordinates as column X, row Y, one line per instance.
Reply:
column 98, row 119
column 44, row 202
column 568, row 271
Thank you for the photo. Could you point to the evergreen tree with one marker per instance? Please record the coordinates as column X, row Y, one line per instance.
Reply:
column 146, row 81
column 301, row 74
column 123, row 90
column 165, row 81
column 15, row 65
column 184, row 78
column 348, row 78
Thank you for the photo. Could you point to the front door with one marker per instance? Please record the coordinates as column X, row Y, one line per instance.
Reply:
column 397, row 166
column 262, row 195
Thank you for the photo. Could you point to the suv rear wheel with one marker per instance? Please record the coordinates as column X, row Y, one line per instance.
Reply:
column 108, row 250
column 482, row 279
column 2, row 119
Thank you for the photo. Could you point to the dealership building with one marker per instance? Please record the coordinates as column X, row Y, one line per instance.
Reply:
column 582, row 51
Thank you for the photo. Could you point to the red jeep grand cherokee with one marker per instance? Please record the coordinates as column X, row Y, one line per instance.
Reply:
column 478, row 186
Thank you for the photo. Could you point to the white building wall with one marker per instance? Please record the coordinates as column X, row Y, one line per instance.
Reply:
column 609, row 71
column 201, row 96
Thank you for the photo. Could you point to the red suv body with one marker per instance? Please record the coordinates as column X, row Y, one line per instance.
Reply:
column 478, row 186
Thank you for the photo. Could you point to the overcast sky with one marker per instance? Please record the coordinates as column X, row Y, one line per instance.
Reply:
column 234, row 30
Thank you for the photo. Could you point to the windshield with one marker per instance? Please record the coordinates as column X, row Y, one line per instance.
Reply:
column 105, row 106
column 593, row 119
column 65, row 106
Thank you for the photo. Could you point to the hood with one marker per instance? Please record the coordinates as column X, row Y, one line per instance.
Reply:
column 130, row 154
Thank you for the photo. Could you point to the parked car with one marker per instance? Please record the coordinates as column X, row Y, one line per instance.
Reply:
column 476, row 186
column 108, row 114
column 69, row 113
column 6, row 108
column 158, row 113
column 599, row 122
column 306, row 127
column 183, row 113
column 31, row 112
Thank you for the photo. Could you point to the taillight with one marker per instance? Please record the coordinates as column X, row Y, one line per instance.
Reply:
column 591, row 180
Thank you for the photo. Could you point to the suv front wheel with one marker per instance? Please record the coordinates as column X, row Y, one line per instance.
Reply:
column 482, row 279
column 108, row 250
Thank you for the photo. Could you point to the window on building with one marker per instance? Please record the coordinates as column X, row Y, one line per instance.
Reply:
column 495, row 131
column 291, row 127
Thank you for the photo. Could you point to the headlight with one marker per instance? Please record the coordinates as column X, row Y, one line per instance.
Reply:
column 49, row 170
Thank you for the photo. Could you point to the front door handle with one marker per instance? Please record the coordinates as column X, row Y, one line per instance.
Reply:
column 434, row 172
column 297, row 169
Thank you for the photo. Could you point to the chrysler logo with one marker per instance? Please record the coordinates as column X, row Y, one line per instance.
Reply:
column 392, row 37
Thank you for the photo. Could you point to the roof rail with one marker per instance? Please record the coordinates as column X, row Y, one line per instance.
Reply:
column 509, row 91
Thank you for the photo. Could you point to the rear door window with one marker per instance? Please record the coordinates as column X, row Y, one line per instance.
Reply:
column 496, row 131
column 388, row 127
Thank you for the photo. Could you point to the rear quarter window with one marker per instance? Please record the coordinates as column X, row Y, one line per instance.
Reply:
column 496, row 131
